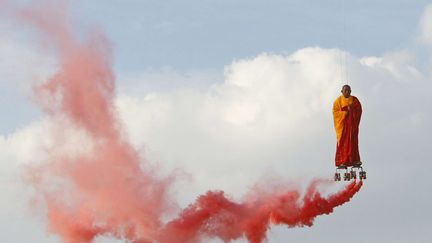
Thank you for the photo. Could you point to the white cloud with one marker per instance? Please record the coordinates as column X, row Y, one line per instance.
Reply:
column 425, row 26
column 270, row 115
column 20, row 66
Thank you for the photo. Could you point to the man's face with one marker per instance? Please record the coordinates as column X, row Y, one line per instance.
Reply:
column 346, row 91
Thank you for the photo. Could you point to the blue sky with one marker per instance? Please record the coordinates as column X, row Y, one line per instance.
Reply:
column 196, row 90
column 210, row 34
column 207, row 35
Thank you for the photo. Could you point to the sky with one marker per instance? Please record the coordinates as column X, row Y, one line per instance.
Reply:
column 240, row 92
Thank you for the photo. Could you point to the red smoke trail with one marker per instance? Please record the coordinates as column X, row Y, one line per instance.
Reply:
column 105, row 191
column 111, row 190
column 216, row 216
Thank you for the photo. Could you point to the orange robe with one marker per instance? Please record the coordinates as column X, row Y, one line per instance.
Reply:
column 347, row 128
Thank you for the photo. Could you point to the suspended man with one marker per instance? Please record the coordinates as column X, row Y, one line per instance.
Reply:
column 347, row 112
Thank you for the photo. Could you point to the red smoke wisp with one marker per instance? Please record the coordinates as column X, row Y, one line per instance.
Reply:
column 112, row 190
column 216, row 216
column 106, row 191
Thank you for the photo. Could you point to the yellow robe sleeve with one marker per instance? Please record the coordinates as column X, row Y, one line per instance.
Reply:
column 338, row 118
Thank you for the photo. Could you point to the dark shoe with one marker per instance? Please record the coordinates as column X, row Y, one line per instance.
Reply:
column 342, row 166
column 357, row 164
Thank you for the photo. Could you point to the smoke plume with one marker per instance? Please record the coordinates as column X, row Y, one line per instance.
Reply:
column 214, row 215
column 109, row 189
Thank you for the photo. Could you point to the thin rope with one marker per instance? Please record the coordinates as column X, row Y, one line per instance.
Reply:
column 345, row 43
column 341, row 41
column 343, row 56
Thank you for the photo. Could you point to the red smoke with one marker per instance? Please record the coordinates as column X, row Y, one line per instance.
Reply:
column 112, row 190
column 216, row 216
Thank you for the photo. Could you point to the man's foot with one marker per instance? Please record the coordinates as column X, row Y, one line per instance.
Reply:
column 357, row 164
column 342, row 166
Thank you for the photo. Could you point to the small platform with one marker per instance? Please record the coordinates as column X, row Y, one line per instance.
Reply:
column 352, row 174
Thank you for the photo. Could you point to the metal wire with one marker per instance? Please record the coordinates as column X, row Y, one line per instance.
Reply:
column 344, row 74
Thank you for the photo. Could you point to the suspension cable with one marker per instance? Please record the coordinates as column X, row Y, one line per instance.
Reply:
column 344, row 74
column 348, row 78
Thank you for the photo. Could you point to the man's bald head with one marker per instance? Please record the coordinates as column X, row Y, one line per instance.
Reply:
column 346, row 91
